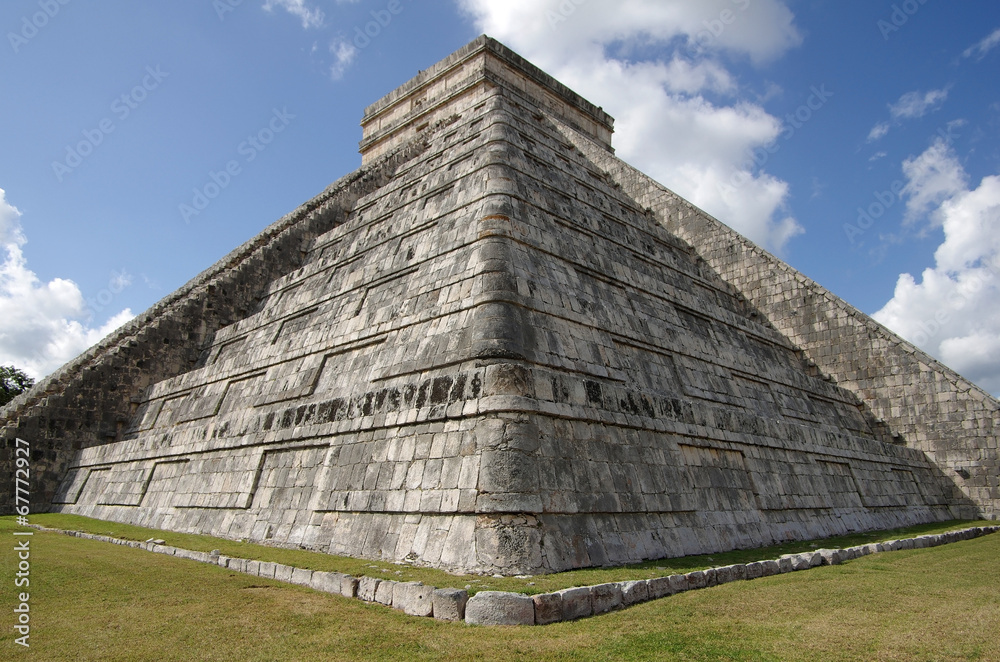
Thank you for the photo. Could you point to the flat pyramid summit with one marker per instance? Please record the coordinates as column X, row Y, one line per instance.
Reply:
column 498, row 348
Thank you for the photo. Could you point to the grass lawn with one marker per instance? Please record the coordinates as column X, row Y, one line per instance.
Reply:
column 530, row 585
column 91, row 600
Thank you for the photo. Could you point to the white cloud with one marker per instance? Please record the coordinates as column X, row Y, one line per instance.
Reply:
column 911, row 105
column 953, row 313
column 914, row 104
column 344, row 53
column 311, row 18
column 984, row 46
column 878, row 131
column 664, row 122
column 10, row 224
column 932, row 177
column 41, row 328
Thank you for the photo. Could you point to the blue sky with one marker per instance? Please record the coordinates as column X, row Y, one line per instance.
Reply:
column 857, row 139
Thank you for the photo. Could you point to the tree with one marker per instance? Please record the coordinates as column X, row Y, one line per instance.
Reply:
column 12, row 382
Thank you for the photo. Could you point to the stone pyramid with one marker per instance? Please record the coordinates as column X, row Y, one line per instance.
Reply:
column 497, row 348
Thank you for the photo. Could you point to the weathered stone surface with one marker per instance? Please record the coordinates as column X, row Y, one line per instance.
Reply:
column 414, row 598
column 606, row 597
column 400, row 368
column 449, row 603
column 328, row 582
column 633, row 592
column 769, row 568
column 803, row 560
column 367, row 586
column 576, row 603
column 384, row 593
column 301, row 576
column 679, row 583
column 697, row 579
column 832, row 556
column 282, row 572
column 548, row 608
column 500, row 608
column 659, row 588
column 349, row 586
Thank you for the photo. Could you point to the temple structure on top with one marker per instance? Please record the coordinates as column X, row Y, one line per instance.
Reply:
column 496, row 347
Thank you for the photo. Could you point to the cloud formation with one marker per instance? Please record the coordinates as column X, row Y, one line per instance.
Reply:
column 911, row 105
column 953, row 312
column 669, row 119
column 343, row 53
column 915, row 104
column 983, row 46
column 44, row 325
column 310, row 17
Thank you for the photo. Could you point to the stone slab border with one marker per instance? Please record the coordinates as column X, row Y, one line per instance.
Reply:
column 504, row 608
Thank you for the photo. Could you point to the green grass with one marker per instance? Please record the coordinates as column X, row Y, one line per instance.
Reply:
column 532, row 585
column 95, row 601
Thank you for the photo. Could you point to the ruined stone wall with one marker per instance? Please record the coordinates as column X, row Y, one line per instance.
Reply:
column 924, row 403
column 90, row 400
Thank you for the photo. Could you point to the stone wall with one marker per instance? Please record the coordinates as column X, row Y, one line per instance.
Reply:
column 925, row 404
column 91, row 399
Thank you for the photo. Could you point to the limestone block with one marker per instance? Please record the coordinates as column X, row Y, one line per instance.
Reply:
column 576, row 603
column 414, row 598
column 349, row 586
column 282, row 572
column 832, row 556
column 659, row 588
column 500, row 608
column 633, row 592
column 448, row 604
column 266, row 569
column 723, row 575
column 367, row 586
column 301, row 576
column 754, row 570
column 796, row 561
column 384, row 592
column 327, row 582
column 769, row 568
column 606, row 597
column 679, row 583
column 237, row 565
column 548, row 608
column 697, row 579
